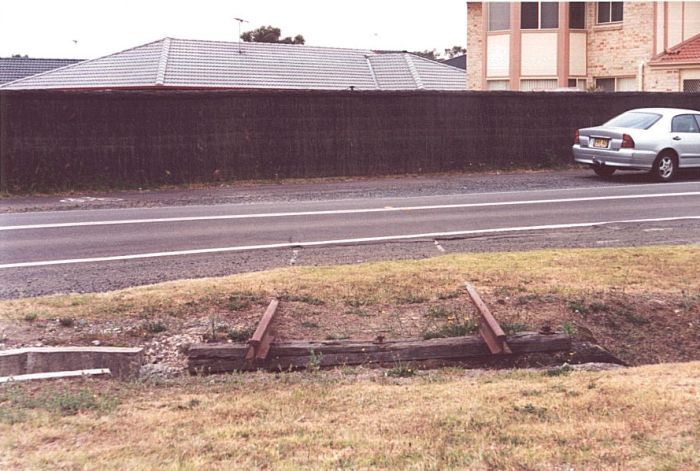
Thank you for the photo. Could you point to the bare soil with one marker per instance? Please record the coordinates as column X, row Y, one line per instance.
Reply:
column 638, row 329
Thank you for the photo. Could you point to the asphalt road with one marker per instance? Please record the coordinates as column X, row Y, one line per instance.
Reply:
column 46, row 252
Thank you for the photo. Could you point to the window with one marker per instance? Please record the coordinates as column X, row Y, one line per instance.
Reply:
column 634, row 120
column 684, row 123
column 577, row 83
column 539, row 15
column 605, row 84
column 577, row 15
column 691, row 85
column 538, row 85
column 616, row 84
column 609, row 12
column 498, row 85
column 499, row 16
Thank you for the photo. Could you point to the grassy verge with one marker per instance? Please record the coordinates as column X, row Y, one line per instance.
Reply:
column 573, row 272
column 640, row 418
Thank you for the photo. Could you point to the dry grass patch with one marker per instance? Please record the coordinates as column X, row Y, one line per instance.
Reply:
column 641, row 418
column 671, row 269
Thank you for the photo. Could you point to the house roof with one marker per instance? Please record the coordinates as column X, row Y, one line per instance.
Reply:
column 182, row 63
column 13, row 68
column 686, row 52
column 458, row 61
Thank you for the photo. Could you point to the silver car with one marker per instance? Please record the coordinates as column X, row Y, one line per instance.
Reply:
column 660, row 140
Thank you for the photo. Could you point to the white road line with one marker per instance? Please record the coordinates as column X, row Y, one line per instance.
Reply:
column 439, row 247
column 361, row 240
column 343, row 211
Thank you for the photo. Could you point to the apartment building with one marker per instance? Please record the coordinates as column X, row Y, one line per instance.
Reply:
column 610, row 46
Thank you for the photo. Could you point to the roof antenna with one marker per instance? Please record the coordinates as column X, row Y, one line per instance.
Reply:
column 240, row 21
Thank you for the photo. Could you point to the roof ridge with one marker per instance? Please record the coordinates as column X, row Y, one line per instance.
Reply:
column 163, row 62
column 371, row 71
column 414, row 72
column 6, row 85
column 364, row 51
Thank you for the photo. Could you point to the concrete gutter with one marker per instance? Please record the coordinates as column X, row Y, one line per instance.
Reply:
column 122, row 362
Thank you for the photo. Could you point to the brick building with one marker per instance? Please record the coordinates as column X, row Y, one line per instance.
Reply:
column 610, row 46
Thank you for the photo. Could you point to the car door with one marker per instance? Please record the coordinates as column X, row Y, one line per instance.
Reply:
column 685, row 132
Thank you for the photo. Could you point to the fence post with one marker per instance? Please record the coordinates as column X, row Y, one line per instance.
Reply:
column 3, row 144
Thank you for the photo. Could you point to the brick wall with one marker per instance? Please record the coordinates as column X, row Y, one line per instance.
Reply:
column 662, row 80
column 475, row 45
column 617, row 50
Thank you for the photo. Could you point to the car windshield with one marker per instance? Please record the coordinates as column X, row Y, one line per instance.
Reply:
column 634, row 120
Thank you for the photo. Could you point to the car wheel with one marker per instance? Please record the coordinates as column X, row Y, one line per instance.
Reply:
column 665, row 167
column 603, row 170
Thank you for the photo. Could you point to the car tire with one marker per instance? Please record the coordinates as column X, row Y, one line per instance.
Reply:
column 603, row 170
column 665, row 167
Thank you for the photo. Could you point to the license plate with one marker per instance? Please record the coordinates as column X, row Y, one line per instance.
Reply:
column 602, row 143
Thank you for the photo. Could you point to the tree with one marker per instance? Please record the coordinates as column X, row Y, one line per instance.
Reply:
column 455, row 51
column 433, row 55
column 270, row 34
column 20, row 56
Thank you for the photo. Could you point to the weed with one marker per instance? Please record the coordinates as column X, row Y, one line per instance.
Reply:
column 358, row 312
column 12, row 416
column 60, row 402
column 563, row 370
column 309, row 325
column 154, row 327
column 526, row 299
column 452, row 329
column 357, row 303
column 449, row 295
column 531, row 409
column 400, row 371
column 578, row 306
column 241, row 334
column 511, row 328
column 438, row 312
column 633, row 318
column 598, row 306
column 568, row 328
column 66, row 322
column 411, row 298
column 688, row 301
column 305, row 298
column 31, row 317
column 238, row 302
column 315, row 361
column 337, row 337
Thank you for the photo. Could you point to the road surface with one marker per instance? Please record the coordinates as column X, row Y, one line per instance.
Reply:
column 45, row 252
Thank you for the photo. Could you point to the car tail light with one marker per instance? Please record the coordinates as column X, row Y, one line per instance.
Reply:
column 577, row 138
column 627, row 142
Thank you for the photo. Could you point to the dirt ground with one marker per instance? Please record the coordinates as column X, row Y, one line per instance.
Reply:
column 638, row 329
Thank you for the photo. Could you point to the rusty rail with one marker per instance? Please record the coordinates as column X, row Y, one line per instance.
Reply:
column 260, row 342
column 489, row 328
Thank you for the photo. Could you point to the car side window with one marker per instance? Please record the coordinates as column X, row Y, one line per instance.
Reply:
column 684, row 123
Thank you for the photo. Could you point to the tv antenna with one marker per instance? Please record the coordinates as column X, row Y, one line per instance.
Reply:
column 240, row 21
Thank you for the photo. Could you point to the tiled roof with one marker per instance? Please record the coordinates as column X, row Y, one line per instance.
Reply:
column 458, row 61
column 179, row 63
column 686, row 52
column 13, row 68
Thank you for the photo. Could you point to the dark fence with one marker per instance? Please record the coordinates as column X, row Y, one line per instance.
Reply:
column 69, row 140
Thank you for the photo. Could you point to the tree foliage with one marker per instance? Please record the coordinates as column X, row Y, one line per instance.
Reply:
column 434, row 55
column 270, row 34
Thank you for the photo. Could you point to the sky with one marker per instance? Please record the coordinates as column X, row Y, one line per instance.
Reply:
column 83, row 29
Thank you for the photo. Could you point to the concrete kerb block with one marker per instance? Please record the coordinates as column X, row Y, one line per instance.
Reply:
column 123, row 362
